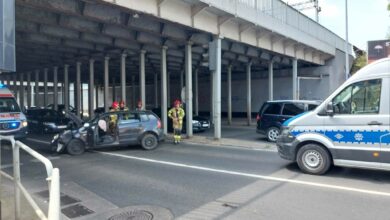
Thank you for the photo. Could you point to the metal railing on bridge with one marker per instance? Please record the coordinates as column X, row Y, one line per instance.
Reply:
column 53, row 179
column 283, row 13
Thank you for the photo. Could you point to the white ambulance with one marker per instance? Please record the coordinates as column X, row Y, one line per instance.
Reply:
column 351, row 128
column 12, row 120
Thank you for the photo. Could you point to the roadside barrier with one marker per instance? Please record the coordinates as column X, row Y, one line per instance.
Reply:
column 53, row 179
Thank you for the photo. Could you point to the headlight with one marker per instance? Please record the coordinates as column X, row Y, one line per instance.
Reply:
column 194, row 122
column 286, row 131
column 56, row 136
column 24, row 123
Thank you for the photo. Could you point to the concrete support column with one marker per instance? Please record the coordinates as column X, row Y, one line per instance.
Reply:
column 15, row 87
column 229, row 94
column 196, row 98
column 29, row 87
column 134, row 98
column 212, row 97
column 169, row 89
column 91, row 85
column 295, row 79
column 156, row 90
column 142, row 78
column 77, row 89
column 271, row 80
column 249, row 93
column 106, row 72
column 55, row 88
column 217, row 88
column 36, row 88
column 181, row 80
column 66, row 87
column 21, row 91
column 123, row 77
column 97, row 87
column 45, row 88
column 164, row 92
column 188, row 90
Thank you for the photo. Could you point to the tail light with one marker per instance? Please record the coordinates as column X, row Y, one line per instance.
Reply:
column 258, row 117
column 158, row 124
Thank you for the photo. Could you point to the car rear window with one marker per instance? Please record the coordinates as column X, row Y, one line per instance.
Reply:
column 273, row 109
column 293, row 108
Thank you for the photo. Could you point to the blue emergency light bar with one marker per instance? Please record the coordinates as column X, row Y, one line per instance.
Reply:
column 2, row 86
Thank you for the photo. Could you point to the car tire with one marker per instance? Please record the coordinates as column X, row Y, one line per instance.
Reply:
column 75, row 147
column 272, row 134
column 149, row 141
column 313, row 159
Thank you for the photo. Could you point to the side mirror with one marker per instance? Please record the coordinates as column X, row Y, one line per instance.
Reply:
column 329, row 109
column 86, row 125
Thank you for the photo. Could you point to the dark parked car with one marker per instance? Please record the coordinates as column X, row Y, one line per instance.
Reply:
column 273, row 113
column 129, row 128
column 199, row 123
column 46, row 120
column 61, row 108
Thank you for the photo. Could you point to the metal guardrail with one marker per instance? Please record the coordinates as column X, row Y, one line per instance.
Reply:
column 283, row 13
column 53, row 179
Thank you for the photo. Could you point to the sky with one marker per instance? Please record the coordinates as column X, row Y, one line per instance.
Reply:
column 368, row 19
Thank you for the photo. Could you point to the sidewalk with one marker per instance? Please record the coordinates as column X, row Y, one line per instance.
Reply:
column 8, row 203
column 238, row 134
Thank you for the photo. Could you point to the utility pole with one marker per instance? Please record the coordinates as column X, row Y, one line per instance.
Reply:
column 346, row 42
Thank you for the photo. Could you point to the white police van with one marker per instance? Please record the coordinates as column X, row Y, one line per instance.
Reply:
column 12, row 120
column 350, row 128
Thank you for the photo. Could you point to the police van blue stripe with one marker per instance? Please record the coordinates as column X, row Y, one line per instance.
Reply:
column 286, row 123
column 366, row 137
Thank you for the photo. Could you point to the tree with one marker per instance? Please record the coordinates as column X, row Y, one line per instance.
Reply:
column 359, row 62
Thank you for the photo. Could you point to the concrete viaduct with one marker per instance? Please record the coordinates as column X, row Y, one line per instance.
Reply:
column 150, row 50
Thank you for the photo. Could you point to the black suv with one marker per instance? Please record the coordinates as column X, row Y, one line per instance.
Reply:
column 273, row 113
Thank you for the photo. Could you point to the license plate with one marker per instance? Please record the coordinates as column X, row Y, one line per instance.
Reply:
column 205, row 125
column 61, row 126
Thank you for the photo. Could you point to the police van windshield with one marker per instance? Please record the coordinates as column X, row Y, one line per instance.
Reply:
column 8, row 105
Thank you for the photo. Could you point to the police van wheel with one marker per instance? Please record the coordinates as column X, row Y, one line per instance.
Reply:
column 149, row 142
column 313, row 159
column 75, row 147
column 272, row 134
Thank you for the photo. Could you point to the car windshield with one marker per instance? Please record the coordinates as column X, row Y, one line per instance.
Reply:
column 8, row 105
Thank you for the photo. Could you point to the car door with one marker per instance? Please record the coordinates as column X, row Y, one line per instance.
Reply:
column 356, row 123
column 271, row 116
column 129, row 127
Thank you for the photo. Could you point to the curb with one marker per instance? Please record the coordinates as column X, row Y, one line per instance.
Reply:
column 226, row 142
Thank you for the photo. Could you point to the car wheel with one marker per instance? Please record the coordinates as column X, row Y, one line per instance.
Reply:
column 149, row 141
column 273, row 134
column 75, row 147
column 313, row 159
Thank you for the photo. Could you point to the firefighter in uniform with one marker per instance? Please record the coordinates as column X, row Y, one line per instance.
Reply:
column 176, row 114
column 122, row 106
column 113, row 118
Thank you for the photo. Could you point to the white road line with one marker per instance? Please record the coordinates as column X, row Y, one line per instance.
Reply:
column 38, row 141
column 278, row 179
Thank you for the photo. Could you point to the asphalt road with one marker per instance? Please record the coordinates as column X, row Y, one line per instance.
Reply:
column 215, row 182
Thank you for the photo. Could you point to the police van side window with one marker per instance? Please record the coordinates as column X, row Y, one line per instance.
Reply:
column 359, row 98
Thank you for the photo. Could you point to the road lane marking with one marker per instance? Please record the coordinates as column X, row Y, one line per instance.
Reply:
column 257, row 176
column 271, row 149
column 38, row 141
